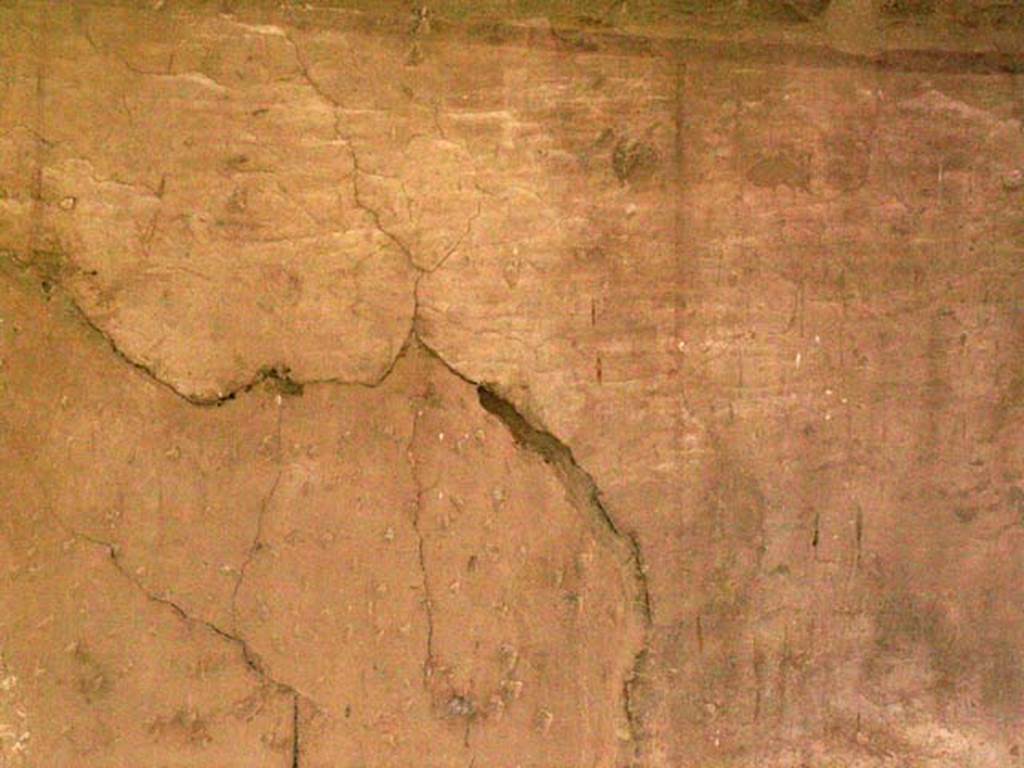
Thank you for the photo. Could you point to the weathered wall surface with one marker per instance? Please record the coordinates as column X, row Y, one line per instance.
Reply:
column 389, row 393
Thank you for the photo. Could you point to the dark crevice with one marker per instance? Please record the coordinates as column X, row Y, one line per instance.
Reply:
column 277, row 378
column 641, row 573
column 584, row 492
column 578, row 482
column 579, row 485
column 295, row 732
column 274, row 378
column 630, row 695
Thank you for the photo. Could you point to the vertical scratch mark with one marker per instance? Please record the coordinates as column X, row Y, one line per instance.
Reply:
column 295, row 731
column 859, row 534
column 428, row 605
column 758, row 661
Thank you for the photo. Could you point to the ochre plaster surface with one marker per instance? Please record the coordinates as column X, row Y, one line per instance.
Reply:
column 483, row 386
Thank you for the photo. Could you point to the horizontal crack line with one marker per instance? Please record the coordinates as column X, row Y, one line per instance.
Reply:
column 276, row 377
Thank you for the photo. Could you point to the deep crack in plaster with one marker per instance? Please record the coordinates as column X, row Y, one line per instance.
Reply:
column 579, row 485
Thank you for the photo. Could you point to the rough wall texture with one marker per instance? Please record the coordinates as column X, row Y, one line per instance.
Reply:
column 460, row 387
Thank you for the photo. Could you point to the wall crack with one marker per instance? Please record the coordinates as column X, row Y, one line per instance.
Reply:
column 251, row 660
column 257, row 542
column 584, row 491
column 577, row 481
column 428, row 606
column 296, row 742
